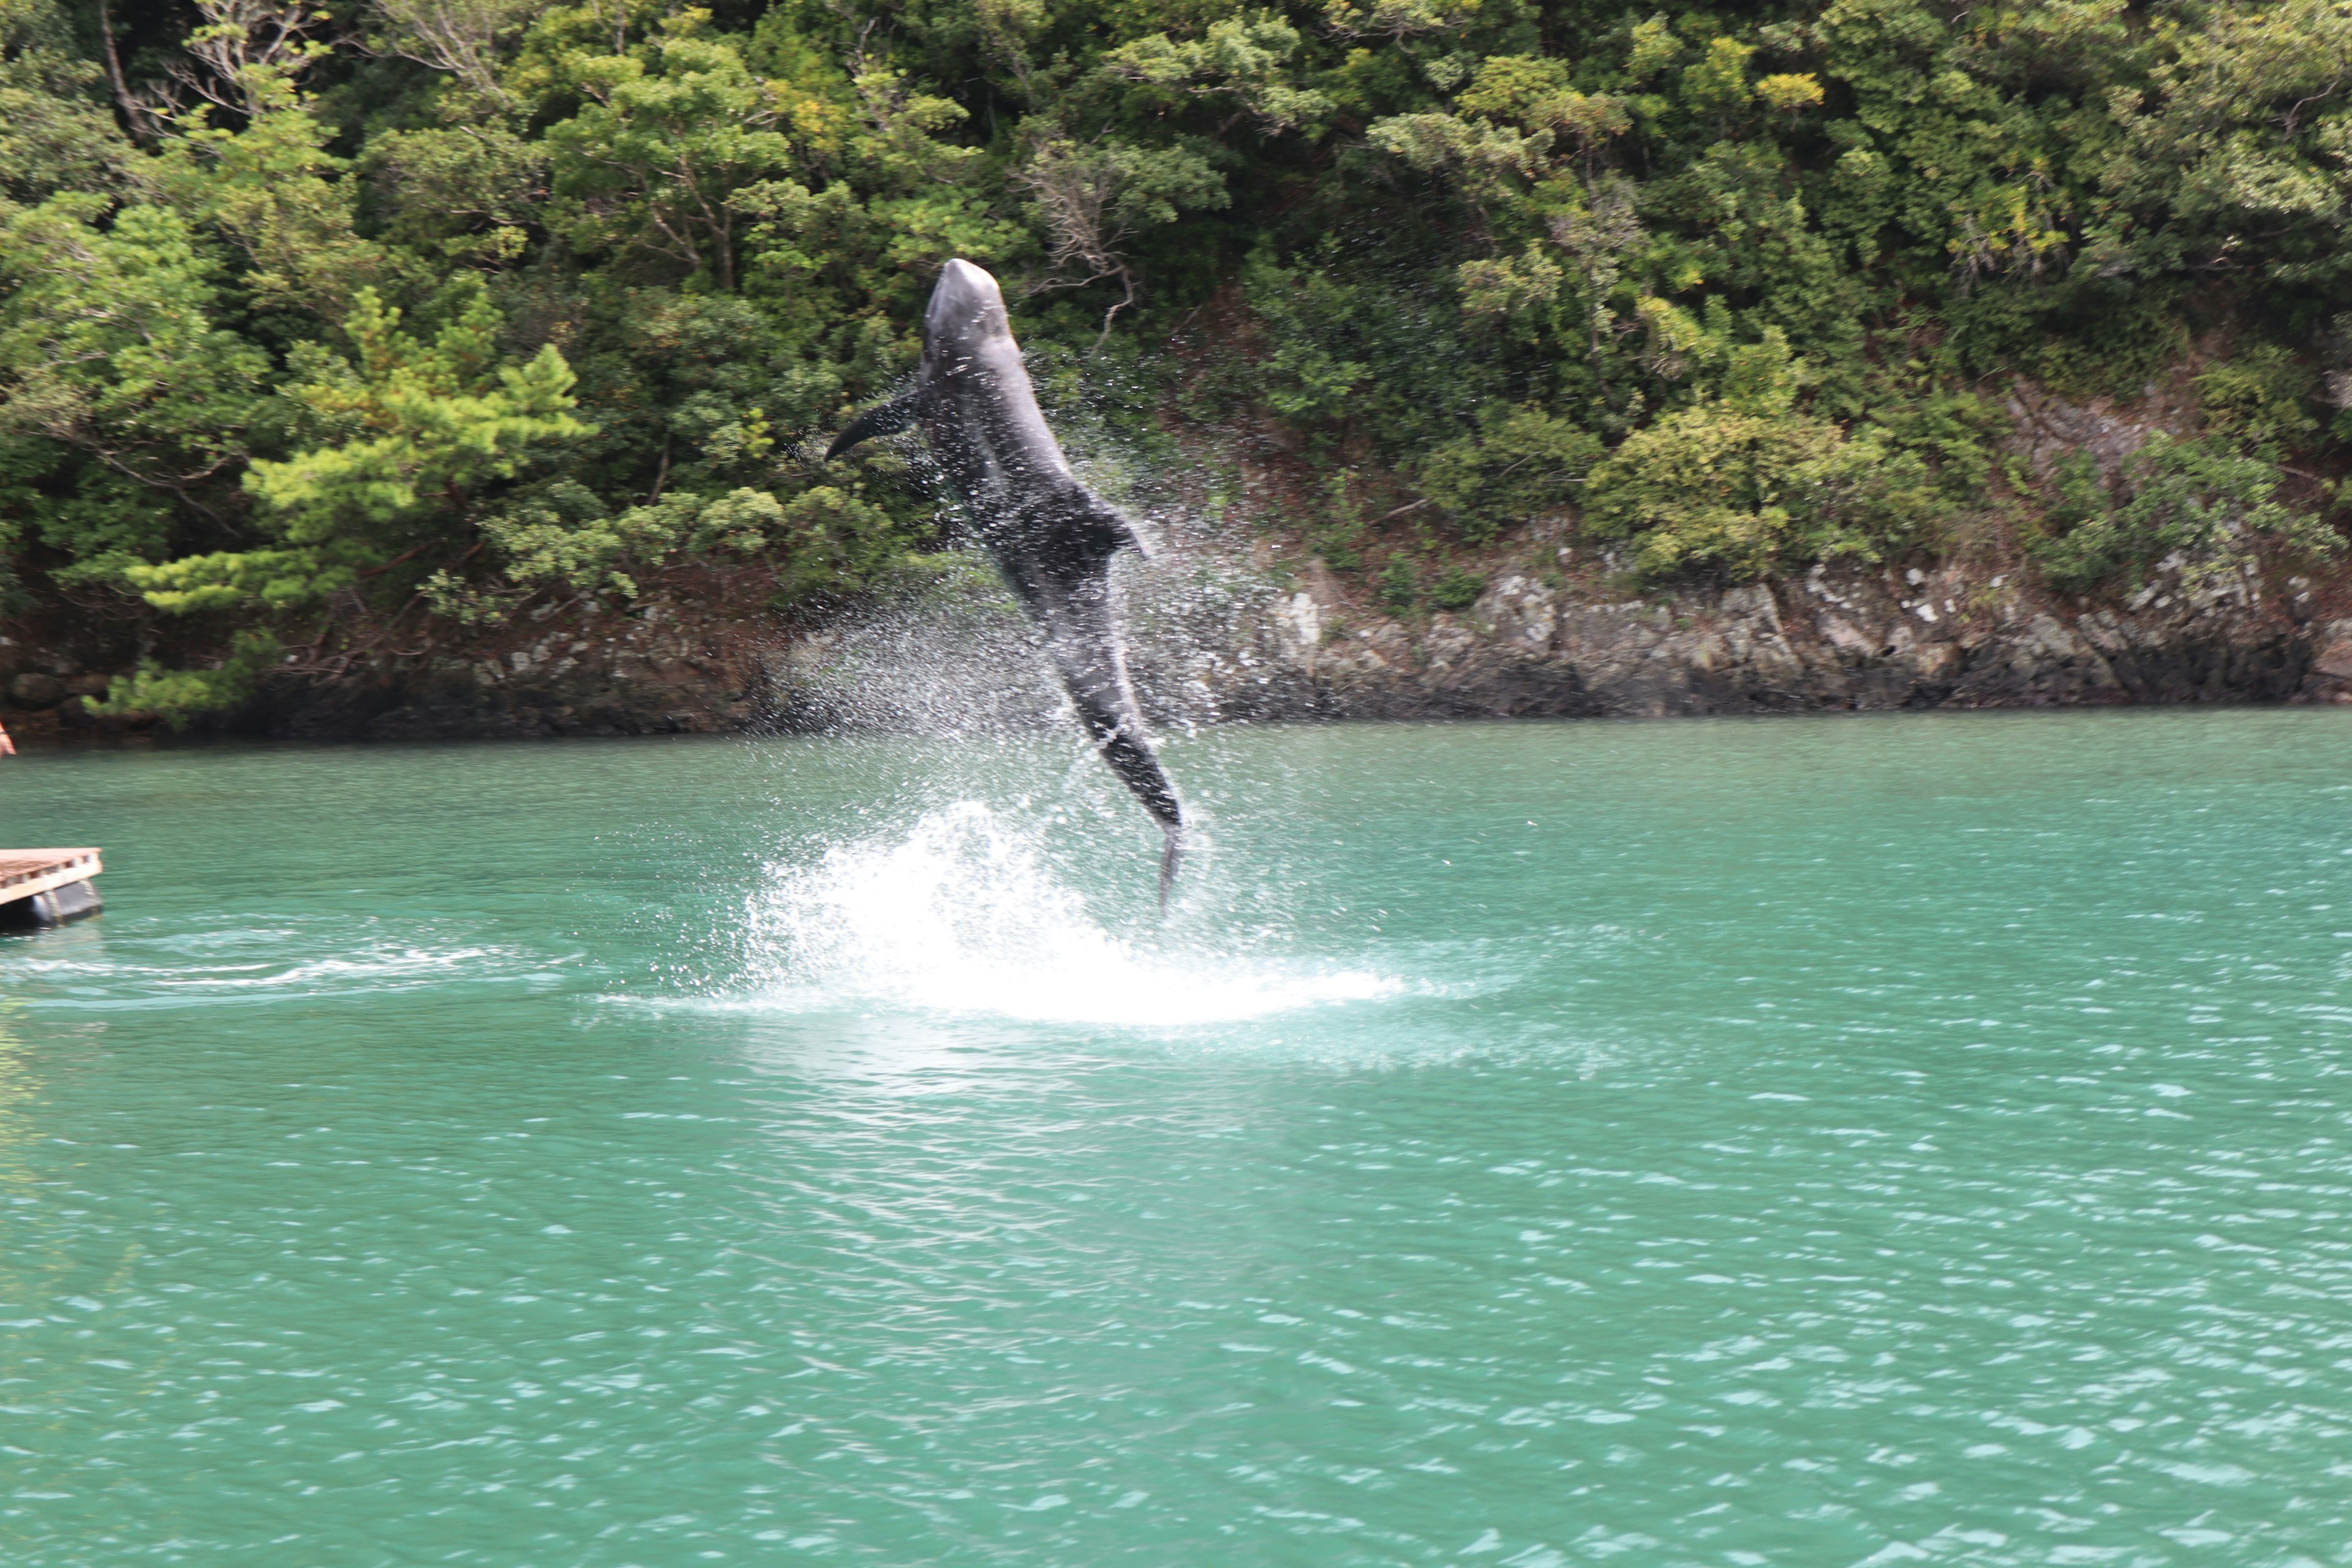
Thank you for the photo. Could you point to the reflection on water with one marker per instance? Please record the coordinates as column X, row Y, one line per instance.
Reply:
column 1790, row 1142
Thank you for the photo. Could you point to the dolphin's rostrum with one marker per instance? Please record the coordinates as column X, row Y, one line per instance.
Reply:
column 1051, row 536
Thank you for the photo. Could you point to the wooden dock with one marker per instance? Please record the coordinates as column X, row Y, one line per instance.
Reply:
column 47, row 887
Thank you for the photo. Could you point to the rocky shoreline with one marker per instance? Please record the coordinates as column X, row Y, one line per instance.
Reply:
column 1828, row 642
column 1221, row 636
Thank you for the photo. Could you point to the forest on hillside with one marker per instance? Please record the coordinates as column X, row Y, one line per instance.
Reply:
column 325, row 326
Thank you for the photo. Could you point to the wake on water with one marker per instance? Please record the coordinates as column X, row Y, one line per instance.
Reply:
column 244, row 960
column 965, row 914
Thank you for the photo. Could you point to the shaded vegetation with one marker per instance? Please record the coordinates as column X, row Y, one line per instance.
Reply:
column 323, row 327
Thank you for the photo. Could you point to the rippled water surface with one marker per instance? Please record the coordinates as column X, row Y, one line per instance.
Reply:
column 1808, row 1141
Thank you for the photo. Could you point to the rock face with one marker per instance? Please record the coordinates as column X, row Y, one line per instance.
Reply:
column 1826, row 642
column 662, row 671
column 1209, row 642
column 1215, row 637
column 669, row 669
column 34, row 689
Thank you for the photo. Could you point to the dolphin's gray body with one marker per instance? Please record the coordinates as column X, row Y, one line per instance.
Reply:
column 1051, row 536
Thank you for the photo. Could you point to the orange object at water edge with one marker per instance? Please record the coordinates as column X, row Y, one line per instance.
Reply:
column 41, row 887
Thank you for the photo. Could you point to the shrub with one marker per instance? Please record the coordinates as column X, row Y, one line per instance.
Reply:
column 2201, row 500
column 1399, row 583
column 1523, row 462
column 1456, row 589
column 1749, row 493
column 2261, row 396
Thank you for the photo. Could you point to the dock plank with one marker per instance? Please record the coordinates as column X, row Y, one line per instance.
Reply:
column 25, row 872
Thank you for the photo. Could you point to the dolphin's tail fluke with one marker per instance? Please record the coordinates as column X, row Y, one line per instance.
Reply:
column 1139, row 768
column 1170, row 858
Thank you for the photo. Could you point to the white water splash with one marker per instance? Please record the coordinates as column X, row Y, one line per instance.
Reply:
column 963, row 915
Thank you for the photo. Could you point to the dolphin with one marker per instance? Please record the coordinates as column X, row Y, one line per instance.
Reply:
column 1051, row 536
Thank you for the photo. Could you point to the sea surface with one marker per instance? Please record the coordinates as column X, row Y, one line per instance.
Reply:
column 1806, row 1142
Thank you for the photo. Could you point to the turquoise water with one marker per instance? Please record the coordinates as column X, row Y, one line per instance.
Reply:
column 1795, row 1141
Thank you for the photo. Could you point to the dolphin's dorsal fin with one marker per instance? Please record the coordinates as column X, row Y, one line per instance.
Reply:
column 882, row 419
column 1113, row 523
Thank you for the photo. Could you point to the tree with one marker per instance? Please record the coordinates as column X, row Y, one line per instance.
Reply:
column 670, row 133
column 414, row 431
column 112, row 346
column 1093, row 200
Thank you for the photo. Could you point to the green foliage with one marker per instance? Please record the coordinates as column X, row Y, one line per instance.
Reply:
column 54, row 132
column 112, row 339
column 413, row 424
column 2264, row 397
column 1237, row 64
column 1456, row 589
column 412, row 430
column 1399, row 583
column 2199, row 506
column 2230, row 150
column 271, row 190
column 1750, row 493
column 1093, row 199
column 177, row 696
column 2076, row 525
column 1525, row 461
column 838, row 541
column 665, row 136
column 563, row 536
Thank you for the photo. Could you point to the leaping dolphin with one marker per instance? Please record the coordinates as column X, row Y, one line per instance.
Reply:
column 1051, row 536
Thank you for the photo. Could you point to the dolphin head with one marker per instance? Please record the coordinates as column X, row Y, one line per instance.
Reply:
column 967, row 313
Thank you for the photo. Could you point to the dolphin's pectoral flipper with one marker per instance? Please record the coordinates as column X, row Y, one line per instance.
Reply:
column 882, row 419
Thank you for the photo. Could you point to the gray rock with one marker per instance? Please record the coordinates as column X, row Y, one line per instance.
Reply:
column 34, row 689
